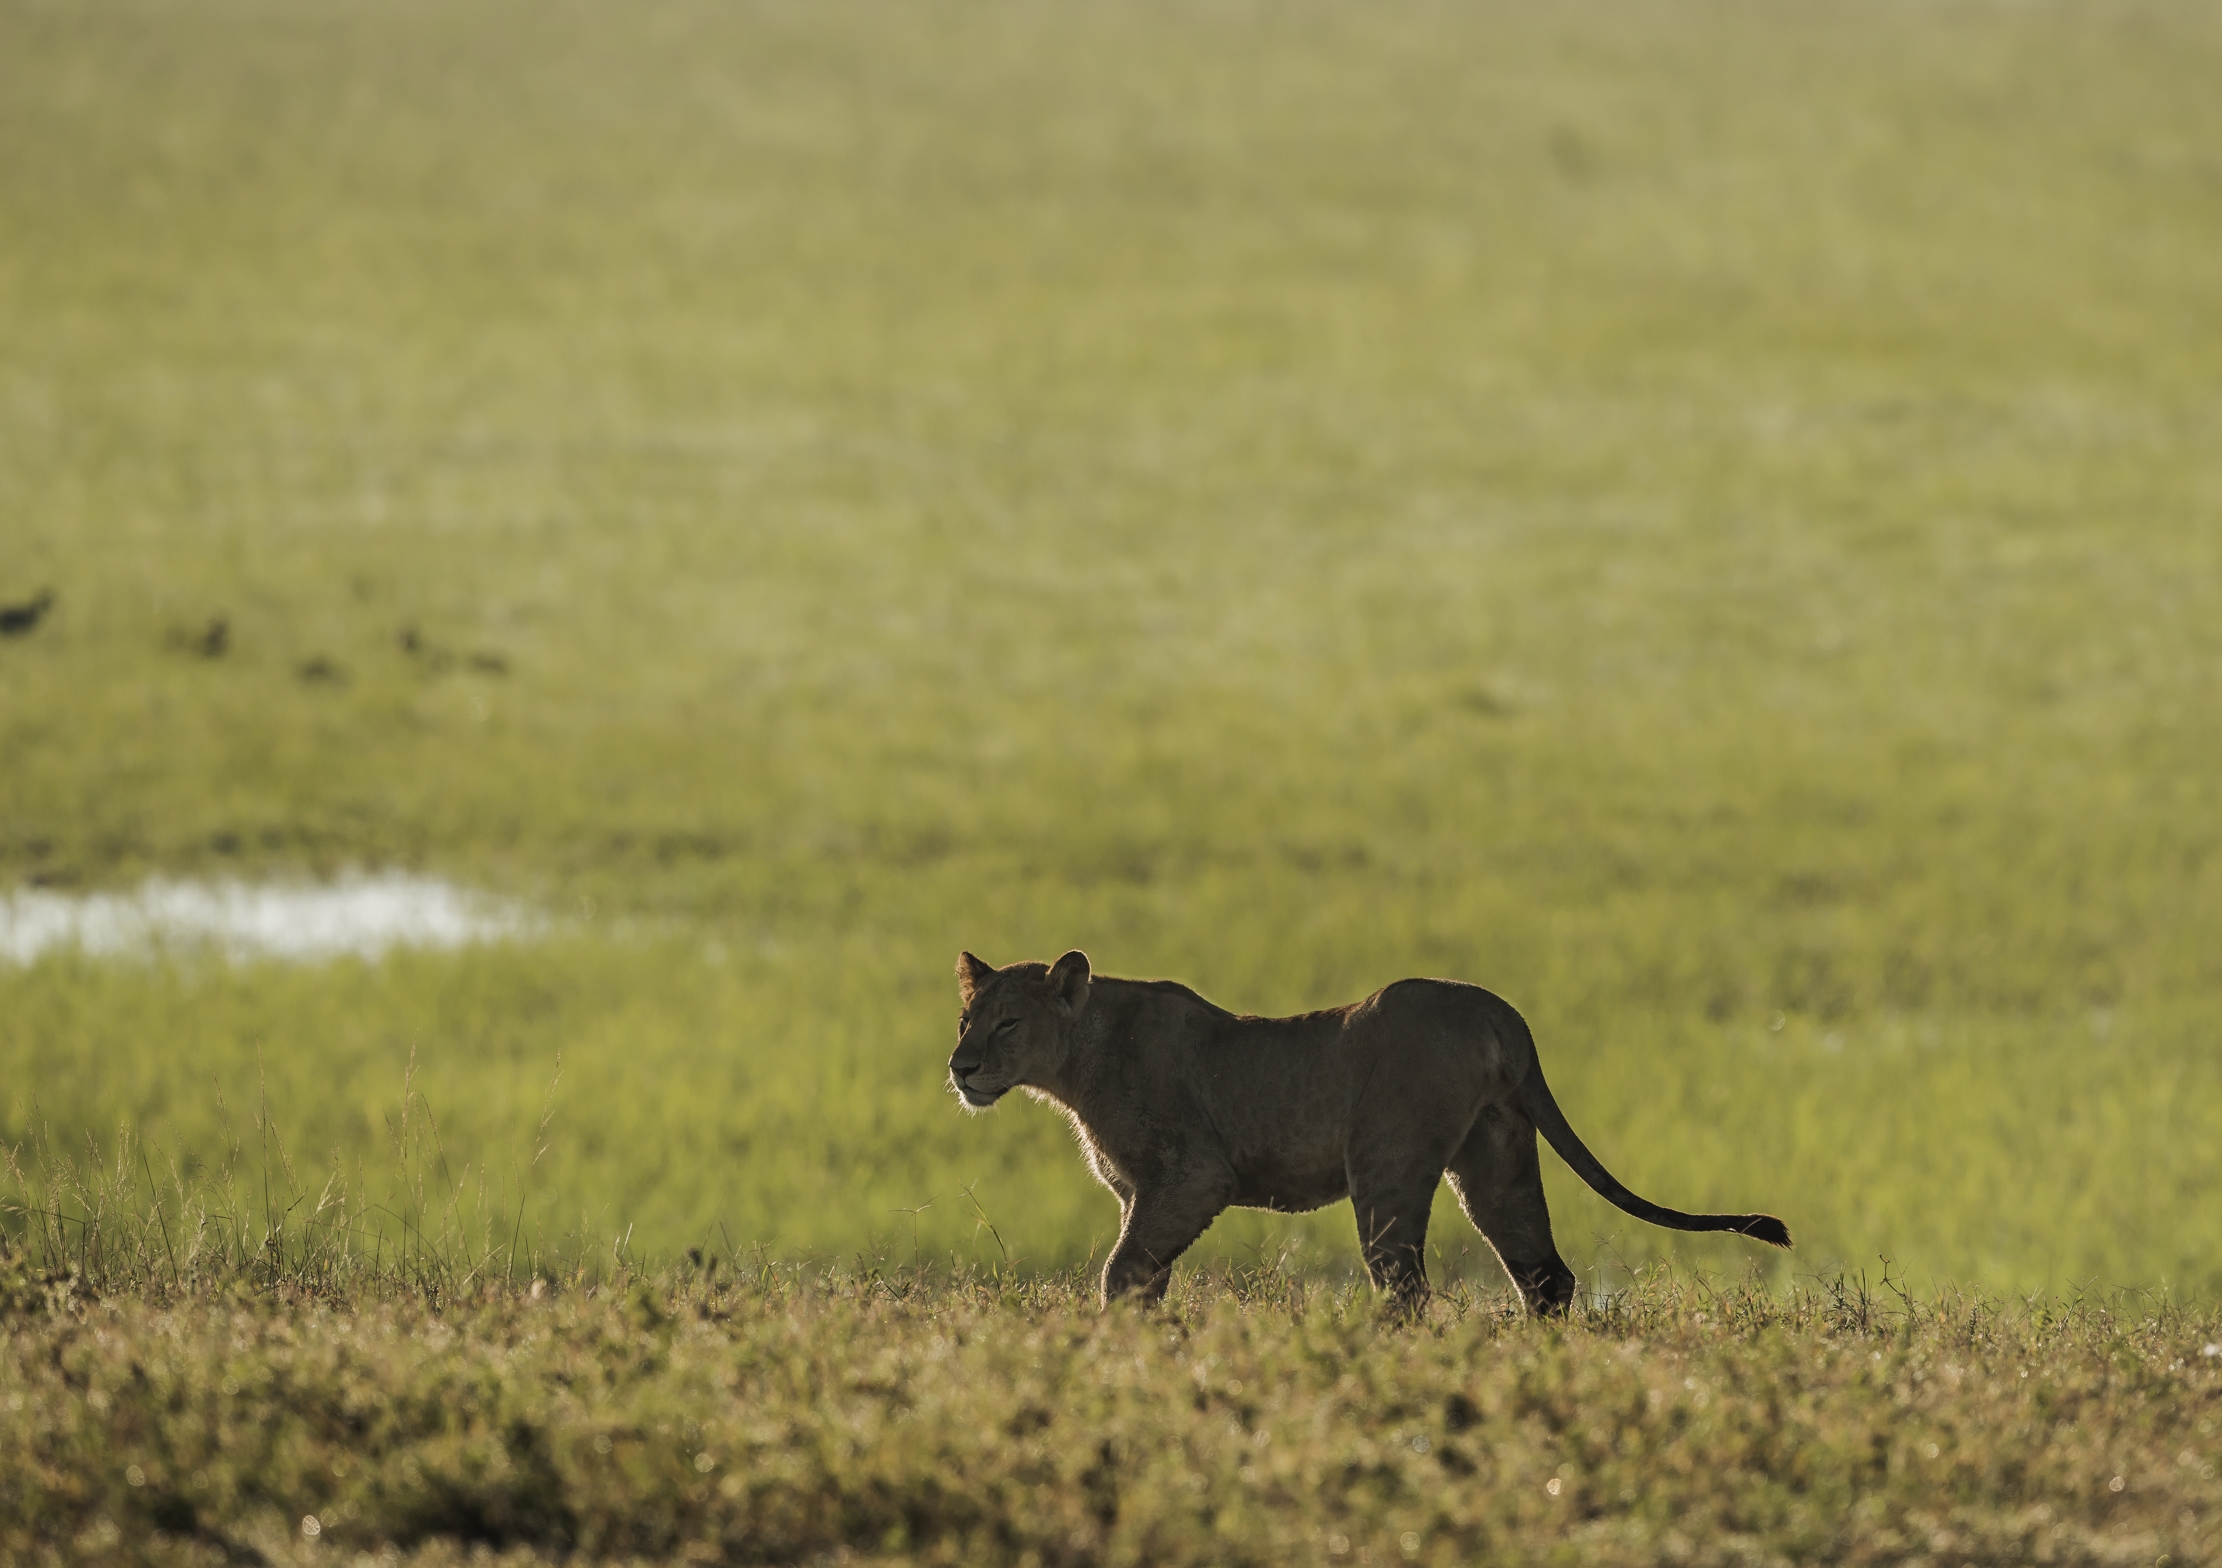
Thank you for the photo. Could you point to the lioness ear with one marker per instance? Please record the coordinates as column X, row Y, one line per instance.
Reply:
column 972, row 973
column 1068, row 981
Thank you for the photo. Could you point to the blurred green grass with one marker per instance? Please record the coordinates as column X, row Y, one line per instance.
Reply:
column 1684, row 515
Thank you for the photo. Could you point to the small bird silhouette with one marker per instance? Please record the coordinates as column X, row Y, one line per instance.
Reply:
column 16, row 619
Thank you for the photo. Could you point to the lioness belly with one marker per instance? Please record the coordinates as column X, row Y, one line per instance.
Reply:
column 1289, row 1189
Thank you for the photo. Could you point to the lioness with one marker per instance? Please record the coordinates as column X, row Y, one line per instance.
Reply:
column 1184, row 1109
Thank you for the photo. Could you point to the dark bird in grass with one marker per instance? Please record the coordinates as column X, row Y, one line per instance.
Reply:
column 16, row 619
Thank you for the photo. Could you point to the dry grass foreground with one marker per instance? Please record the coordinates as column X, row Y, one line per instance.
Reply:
column 788, row 1417
column 1701, row 517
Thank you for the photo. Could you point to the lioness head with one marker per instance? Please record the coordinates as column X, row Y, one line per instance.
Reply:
column 1014, row 1025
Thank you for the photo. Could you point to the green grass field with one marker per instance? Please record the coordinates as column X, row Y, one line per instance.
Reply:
column 1703, row 518
column 883, row 1419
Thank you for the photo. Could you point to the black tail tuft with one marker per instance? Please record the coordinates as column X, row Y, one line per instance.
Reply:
column 1766, row 1228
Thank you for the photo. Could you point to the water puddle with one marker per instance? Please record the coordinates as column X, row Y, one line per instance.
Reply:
column 359, row 916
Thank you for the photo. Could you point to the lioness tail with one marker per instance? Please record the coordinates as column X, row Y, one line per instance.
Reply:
column 1542, row 1109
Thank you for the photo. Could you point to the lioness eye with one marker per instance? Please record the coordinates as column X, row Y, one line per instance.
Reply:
column 1006, row 1026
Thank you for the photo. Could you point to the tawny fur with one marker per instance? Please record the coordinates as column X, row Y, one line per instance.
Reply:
column 1184, row 1109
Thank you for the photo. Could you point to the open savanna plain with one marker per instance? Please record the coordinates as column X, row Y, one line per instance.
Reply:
column 1704, row 519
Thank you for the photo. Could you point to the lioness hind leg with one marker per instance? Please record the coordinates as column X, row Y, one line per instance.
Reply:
column 1499, row 1182
column 1392, row 1233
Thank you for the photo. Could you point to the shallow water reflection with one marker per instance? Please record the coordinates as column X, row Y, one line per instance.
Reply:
column 361, row 916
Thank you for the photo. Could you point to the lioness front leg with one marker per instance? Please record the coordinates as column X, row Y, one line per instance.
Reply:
column 1160, row 1226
